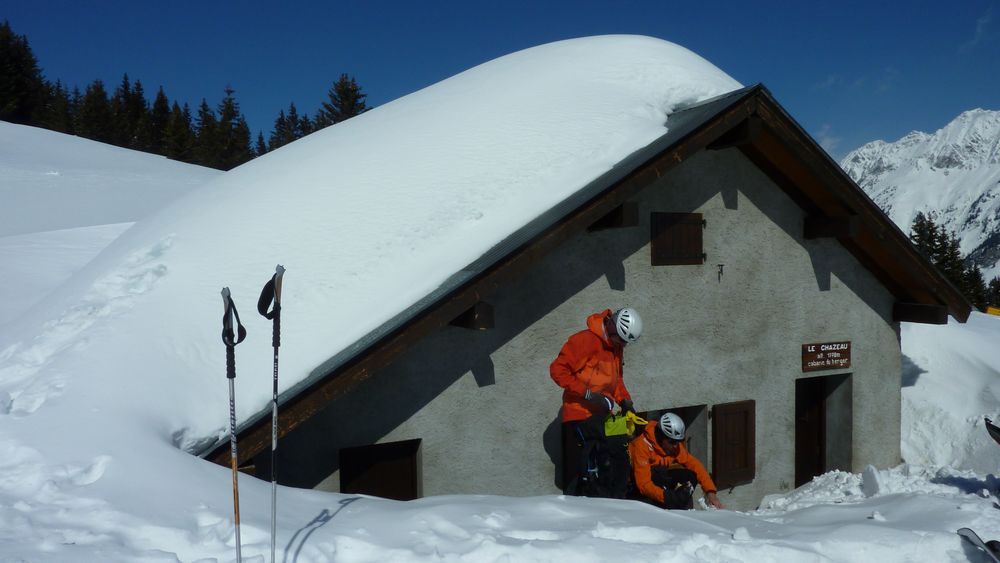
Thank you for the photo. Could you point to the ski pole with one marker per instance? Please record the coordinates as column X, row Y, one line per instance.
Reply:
column 272, row 294
column 228, row 340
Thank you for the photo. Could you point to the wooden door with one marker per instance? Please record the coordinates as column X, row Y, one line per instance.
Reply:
column 810, row 429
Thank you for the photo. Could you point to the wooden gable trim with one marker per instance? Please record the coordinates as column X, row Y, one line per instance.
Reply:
column 794, row 161
column 256, row 438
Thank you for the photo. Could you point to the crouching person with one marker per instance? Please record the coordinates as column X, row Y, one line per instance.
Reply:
column 665, row 472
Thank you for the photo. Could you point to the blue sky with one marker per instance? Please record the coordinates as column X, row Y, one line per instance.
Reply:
column 849, row 72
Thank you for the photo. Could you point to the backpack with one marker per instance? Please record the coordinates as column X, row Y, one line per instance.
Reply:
column 608, row 471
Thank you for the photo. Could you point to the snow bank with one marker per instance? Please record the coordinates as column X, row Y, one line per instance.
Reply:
column 53, row 181
column 951, row 380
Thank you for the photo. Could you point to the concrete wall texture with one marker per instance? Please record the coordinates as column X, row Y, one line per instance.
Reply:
column 487, row 411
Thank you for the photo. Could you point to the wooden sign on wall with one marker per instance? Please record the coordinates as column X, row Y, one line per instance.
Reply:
column 826, row 355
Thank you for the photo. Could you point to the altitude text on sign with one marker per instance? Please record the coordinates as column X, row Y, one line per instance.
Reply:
column 826, row 355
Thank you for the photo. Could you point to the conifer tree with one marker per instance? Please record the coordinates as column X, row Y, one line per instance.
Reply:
column 131, row 116
column 950, row 258
column 159, row 115
column 234, row 134
column 94, row 119
column 344, row 101
column 261, row 148
column 57, row 109
column 179, row 137
column 122, row 129
column 21, row 82
column 290, row 127
column 137, row 106
column 206, row 145
column 281, row 135
column 304, row 127
column 298, row 126
column 975, row 287
column 923, row 234
column 993, row 292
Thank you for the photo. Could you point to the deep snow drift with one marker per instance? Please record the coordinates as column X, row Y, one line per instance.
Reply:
column 104, row 382
column 65, row 199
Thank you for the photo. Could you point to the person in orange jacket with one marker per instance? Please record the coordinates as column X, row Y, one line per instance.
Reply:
column 589, row 369
column 665, row 471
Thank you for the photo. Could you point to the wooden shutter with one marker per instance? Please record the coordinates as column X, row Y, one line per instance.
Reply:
column 676, row 238
column 389, row 470
column 733, row 443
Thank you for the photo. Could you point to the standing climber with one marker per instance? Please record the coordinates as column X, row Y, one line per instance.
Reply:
column 589, row 369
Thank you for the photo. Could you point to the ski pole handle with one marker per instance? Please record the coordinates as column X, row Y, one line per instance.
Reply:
column 229, row 313
column 279, row 271
column 271, row 295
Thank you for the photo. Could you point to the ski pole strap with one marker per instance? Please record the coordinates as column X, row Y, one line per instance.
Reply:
column 271, row 294
column 227, row 321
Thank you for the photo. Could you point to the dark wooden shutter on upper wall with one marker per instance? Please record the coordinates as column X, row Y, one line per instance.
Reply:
column 676, row 238
column 733, row 443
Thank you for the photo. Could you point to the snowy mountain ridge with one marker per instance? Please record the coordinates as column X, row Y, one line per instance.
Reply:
column 952, row 175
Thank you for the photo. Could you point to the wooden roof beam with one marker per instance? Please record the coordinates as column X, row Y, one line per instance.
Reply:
column 920, row 313
column 478, row 317
column 623, row 216
column 846, row 227
column 744, row 133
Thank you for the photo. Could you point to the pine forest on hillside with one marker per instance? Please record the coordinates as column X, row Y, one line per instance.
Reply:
column 941, row 248
column 215, row 137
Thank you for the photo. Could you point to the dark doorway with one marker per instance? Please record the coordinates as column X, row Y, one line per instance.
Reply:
column 823, row 422
column 390, row 470
column 810, row 429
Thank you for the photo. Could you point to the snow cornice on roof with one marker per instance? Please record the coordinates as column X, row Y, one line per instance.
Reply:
column 748, row 119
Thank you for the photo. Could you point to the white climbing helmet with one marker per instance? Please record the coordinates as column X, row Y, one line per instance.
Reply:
column 628, row 323
column 672, row 426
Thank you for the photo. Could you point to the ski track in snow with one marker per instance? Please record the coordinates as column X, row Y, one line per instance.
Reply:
column 108, row 297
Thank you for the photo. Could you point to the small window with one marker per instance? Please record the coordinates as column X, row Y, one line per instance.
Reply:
column 676, row 239
column 390, row 470
column 733, row 447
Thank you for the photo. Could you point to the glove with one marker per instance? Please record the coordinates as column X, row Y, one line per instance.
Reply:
column 599, row 400
column 626, row 406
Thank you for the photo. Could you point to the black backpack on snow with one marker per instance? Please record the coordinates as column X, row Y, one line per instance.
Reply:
column 605, row 467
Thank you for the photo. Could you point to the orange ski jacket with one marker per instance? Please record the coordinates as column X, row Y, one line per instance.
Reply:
column 589, row 360
column 646, row 453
